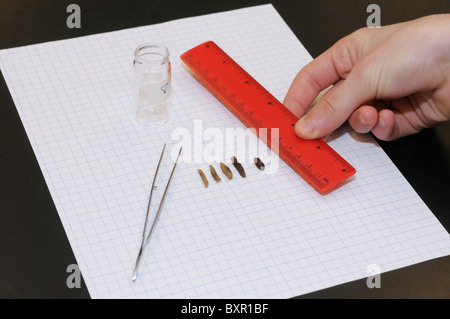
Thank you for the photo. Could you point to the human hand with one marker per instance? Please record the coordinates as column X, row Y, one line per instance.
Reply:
column 393, row 81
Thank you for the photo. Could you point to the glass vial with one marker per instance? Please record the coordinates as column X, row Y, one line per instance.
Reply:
column 152, row 85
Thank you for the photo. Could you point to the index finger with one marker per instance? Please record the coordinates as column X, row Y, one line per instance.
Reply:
column 331, row 66
column 309, row 82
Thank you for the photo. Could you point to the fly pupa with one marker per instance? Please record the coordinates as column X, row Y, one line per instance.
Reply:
column 259, row 164
column 204, row 179
column 238, row 166
column 214, row 173
column 226, row 170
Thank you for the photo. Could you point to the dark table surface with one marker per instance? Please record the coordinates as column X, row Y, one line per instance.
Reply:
column 34, row 249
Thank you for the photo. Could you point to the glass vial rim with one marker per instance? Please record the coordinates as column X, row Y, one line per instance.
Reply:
column 140, row 52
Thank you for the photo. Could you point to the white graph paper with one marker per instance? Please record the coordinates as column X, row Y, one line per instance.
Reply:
column 266, row 236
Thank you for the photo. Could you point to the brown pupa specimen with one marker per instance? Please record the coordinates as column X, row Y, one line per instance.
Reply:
column 214, row 173
column 238, row 166
column 226, row 170
column 204, row 179
column 259, row 164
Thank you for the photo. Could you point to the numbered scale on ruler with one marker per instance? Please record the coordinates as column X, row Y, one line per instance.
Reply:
column 314, row 160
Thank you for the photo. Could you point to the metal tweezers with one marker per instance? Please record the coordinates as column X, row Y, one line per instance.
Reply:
column 146, row 238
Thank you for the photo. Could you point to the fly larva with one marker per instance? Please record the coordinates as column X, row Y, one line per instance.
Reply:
column 226, row 170
column 238, row 166
column 214, row 173
column 259, row 164
column 204, row 179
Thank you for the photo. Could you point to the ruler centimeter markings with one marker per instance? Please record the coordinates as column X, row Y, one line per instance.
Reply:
column 250, row 102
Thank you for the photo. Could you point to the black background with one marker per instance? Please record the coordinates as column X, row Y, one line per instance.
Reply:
column 34, row 250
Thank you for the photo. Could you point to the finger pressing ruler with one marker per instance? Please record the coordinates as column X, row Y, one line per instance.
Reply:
column 314, row 160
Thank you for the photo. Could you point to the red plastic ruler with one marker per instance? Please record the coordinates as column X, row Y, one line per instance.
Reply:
column 314, row 160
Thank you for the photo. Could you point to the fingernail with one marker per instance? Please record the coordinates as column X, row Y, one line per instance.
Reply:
column 381, row 123
column 362, row 121
column 306, row 128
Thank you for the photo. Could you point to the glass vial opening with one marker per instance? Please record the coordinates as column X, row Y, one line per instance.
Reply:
column 152, row 54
